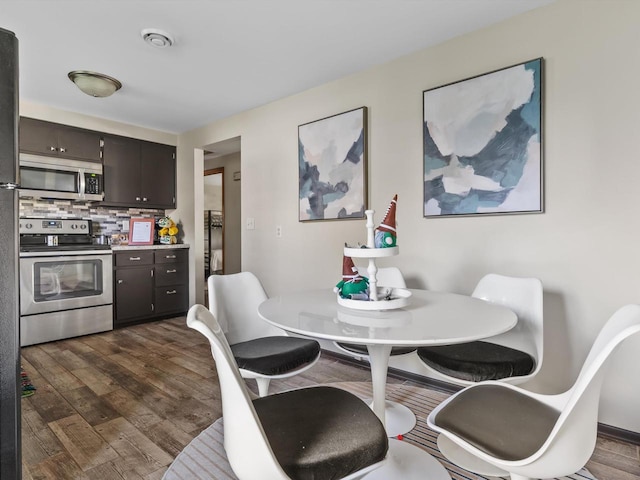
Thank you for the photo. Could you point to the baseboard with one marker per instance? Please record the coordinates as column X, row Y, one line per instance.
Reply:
column 605, row 430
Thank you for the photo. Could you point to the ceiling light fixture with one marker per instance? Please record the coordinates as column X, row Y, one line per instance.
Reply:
column 95, row 84
column 157, row 38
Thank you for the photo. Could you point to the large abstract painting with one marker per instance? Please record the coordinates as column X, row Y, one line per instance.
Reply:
column 332, row 160
column 482, row 144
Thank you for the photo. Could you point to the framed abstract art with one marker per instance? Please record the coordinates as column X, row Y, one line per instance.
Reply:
column 332, row 167
column 482, row 142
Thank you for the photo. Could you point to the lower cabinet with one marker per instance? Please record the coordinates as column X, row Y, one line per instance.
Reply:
column 150, row 284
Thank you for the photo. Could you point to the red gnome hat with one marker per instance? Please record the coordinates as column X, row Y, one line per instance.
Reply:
column 349, row 270
column 388, row 223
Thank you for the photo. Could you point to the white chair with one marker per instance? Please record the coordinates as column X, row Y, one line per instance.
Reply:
column 263, row 352
column 386, row 277
column 317, row 432
column 496, row 429
column 514, row 357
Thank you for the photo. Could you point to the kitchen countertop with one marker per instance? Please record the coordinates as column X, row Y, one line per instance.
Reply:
column 118, row 248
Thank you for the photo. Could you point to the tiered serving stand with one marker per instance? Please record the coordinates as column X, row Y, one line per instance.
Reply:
column 381, row 298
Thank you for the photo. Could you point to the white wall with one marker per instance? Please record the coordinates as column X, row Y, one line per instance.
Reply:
column 212, row 193
column 583, row 248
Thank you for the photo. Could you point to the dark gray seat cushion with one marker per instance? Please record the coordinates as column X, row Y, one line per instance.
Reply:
column 362, row 349
column 499, row 421
column 321, row 433
column 477, row 361
column 275, row 355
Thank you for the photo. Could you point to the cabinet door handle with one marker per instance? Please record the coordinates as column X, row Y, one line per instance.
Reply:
column 172, row 271
column 120, row 281
column 53, row 149
column 171, row 292
column 62, row 149
column 144, row 199
column 137, row 199
column 134, row 259
column 170, row 256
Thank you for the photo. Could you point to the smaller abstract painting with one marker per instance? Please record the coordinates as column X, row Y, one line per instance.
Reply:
column 332, row 167
column 482, row 144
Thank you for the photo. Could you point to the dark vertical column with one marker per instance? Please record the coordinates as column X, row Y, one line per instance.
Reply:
column 10, row 392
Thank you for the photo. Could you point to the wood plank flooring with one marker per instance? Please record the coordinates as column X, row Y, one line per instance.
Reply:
column 122, row 404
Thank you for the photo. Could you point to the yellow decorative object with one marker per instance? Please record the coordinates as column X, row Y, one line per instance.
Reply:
column 167, row 231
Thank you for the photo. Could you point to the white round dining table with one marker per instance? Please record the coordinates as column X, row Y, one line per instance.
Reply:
column 431, row 318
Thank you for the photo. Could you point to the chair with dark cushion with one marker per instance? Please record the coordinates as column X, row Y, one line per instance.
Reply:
column 262, row 351
column 514, row 357
column 497, row 429
column 316, row 433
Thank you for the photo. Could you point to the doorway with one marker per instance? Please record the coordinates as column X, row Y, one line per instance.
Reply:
column 213, row 222
column 221, row 170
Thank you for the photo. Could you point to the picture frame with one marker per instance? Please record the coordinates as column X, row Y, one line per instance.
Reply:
column 141, row 231
column 332, row 167
column 482, row 144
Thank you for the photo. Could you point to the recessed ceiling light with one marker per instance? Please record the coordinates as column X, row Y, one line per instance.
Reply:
column 157, row 38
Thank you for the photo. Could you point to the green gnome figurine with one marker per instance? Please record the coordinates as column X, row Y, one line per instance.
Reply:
column 352, row 286
column 385, row 235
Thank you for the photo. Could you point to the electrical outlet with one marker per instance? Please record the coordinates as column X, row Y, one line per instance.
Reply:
column 278, row 231
column 251, row 224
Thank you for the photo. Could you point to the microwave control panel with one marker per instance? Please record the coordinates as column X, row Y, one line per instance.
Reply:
column 93, row 183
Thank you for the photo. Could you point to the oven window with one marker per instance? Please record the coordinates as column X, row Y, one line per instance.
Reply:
column 51, row 180
column 55, row 280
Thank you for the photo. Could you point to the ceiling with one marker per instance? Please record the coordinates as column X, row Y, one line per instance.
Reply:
column 229, row 55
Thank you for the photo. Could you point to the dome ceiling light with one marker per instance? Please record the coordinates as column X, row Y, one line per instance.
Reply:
column 157, row 38
column 95, row 84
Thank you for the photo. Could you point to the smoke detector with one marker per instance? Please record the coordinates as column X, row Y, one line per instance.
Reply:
column 157, row 38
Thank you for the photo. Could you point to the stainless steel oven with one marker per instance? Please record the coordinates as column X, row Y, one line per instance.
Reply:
column 65, row 281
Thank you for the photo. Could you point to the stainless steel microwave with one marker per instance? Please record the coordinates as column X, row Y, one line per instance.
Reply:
column 51, row 177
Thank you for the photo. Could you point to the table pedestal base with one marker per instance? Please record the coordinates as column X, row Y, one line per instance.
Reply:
column 408, row 462
column 398, row 419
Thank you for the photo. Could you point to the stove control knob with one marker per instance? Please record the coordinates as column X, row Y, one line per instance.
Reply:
column 28, row 225
column 83, row 227
column 74, row 226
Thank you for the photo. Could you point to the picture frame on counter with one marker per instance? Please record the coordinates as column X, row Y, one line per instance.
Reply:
column 141, row 231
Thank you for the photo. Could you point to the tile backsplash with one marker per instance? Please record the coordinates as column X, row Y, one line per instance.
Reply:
column 105, row 220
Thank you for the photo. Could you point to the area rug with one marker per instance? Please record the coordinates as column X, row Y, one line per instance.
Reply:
column 27, row 387
column 204, row 458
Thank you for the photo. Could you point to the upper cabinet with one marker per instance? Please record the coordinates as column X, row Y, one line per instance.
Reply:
column 139, row 173
column 52, row 139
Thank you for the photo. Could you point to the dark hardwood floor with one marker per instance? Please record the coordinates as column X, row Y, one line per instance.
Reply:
column 123, row 404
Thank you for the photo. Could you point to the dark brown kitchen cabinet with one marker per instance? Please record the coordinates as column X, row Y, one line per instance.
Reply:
column 150, row 284
column 139, row 173
column 39, row 137
column 171, row 281
column 133, row 286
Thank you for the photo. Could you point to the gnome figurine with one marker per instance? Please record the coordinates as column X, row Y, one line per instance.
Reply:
column 353, row 285
column 385, row 235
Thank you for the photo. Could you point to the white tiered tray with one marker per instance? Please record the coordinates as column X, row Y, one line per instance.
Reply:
column 371, row 252
column 399, row 298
